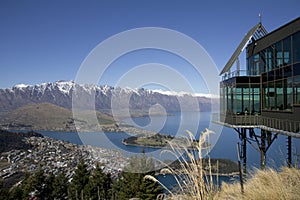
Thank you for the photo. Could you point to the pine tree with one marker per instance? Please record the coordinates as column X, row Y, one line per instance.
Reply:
column 60, row 187
column 79, row 181
column 3, row 190
column 16, row 193
column 99, row 186
column 49, row 186
column 132, row 183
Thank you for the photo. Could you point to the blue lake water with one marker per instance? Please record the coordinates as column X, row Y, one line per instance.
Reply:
column 176, row 124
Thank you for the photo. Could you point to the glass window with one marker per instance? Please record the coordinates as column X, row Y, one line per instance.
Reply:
column 265, row 99
column 296, row 69
column 278, row 54
column 263, row 60
column 255, row 69
column 279, row 95
column 229, row 97
column 270, row 58
column 271, row 95
column 237, row 103
column 256, row 104
column 287, row 72
column 297, row 90
column 250, row 65
column 287, row 51
column 264, row 77
column 296, row 47
column 278, row 74
column 246, row 103
column 288, row 93
column 270, row 75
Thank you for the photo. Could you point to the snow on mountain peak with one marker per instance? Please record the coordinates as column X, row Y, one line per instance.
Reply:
column 174, row 93
column 65, row 87
column 20, row 86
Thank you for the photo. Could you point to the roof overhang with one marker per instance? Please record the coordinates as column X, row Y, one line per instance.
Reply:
column 255, row 33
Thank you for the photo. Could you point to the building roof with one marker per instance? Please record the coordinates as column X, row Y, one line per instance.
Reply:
column 255, row 33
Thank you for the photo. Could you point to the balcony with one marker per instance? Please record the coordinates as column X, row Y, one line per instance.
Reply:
column 282, row 126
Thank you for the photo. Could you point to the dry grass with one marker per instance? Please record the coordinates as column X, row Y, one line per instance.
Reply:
column 194, row 182
column 268, row 184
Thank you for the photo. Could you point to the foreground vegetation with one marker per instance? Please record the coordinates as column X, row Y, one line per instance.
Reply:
column 85, row 184
column 268, row 184
column 193, row 174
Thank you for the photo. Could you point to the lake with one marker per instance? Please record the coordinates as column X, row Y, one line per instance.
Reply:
column 224, row 142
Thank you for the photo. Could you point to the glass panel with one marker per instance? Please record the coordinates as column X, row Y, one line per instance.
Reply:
column 250, row 65
column 264, row 77
column 279, row 95
column 270, row 75
column 263, row 60
column 255, row 69
column 229, row 98
column 265, row 99
column 287, row 72
column 238, row 104
column 278, row 74
column 256, row 104
column 271, row 95
column 270, row 58
column 289, row 94
column 296, row 69
column 296, row 47
column 278, row 54
column 246, row 103
column 287, row 51
column 297, row 90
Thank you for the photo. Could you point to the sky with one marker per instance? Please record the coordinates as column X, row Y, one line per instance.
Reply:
column 48, row 40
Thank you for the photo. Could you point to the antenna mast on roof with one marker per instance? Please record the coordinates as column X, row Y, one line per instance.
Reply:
column 260, row 16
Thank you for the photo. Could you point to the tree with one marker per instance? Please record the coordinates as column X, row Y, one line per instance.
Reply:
column 99, row 186
column 3, row 190
column 35, row 185
column 132, row 183
column 49, row 186
column 60, row 187
column 16, row 193
column 79, row 181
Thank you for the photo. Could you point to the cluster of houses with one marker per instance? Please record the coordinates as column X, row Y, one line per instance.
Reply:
column 55, row 156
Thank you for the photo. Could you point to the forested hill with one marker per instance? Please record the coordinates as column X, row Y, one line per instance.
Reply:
column 15, row 141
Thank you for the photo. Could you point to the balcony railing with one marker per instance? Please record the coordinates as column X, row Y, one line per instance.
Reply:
column 240, row 73
column 283, row 125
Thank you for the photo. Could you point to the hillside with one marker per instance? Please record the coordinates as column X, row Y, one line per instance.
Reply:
column 46, row 116
column 15, row 141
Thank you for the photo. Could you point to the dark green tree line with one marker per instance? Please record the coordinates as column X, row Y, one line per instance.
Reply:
column 88, row 184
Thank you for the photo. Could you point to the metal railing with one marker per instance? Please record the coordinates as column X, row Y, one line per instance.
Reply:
column 238, row 73
column 258, row 121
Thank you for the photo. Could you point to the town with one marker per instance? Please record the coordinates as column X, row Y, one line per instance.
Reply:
column 55, row 156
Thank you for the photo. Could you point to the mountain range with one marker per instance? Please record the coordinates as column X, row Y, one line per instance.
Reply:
column 60, row 93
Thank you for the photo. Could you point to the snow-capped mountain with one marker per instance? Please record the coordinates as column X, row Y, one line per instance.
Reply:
column 61, row 93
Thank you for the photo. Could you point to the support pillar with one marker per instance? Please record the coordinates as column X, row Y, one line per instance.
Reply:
column 244, row 152
column 289, row 151
column 263, row 150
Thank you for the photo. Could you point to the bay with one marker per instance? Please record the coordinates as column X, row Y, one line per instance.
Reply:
column 177, row 124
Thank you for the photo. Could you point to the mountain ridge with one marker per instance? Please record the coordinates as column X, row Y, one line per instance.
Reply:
column 61, row 93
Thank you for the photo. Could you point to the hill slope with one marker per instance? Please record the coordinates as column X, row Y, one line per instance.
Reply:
column 46, row 116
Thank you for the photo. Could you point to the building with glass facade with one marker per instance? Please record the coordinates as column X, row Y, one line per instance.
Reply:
column 263, row 99
column 267, row 92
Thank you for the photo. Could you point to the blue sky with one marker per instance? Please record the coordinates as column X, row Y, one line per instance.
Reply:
column 45, row 41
